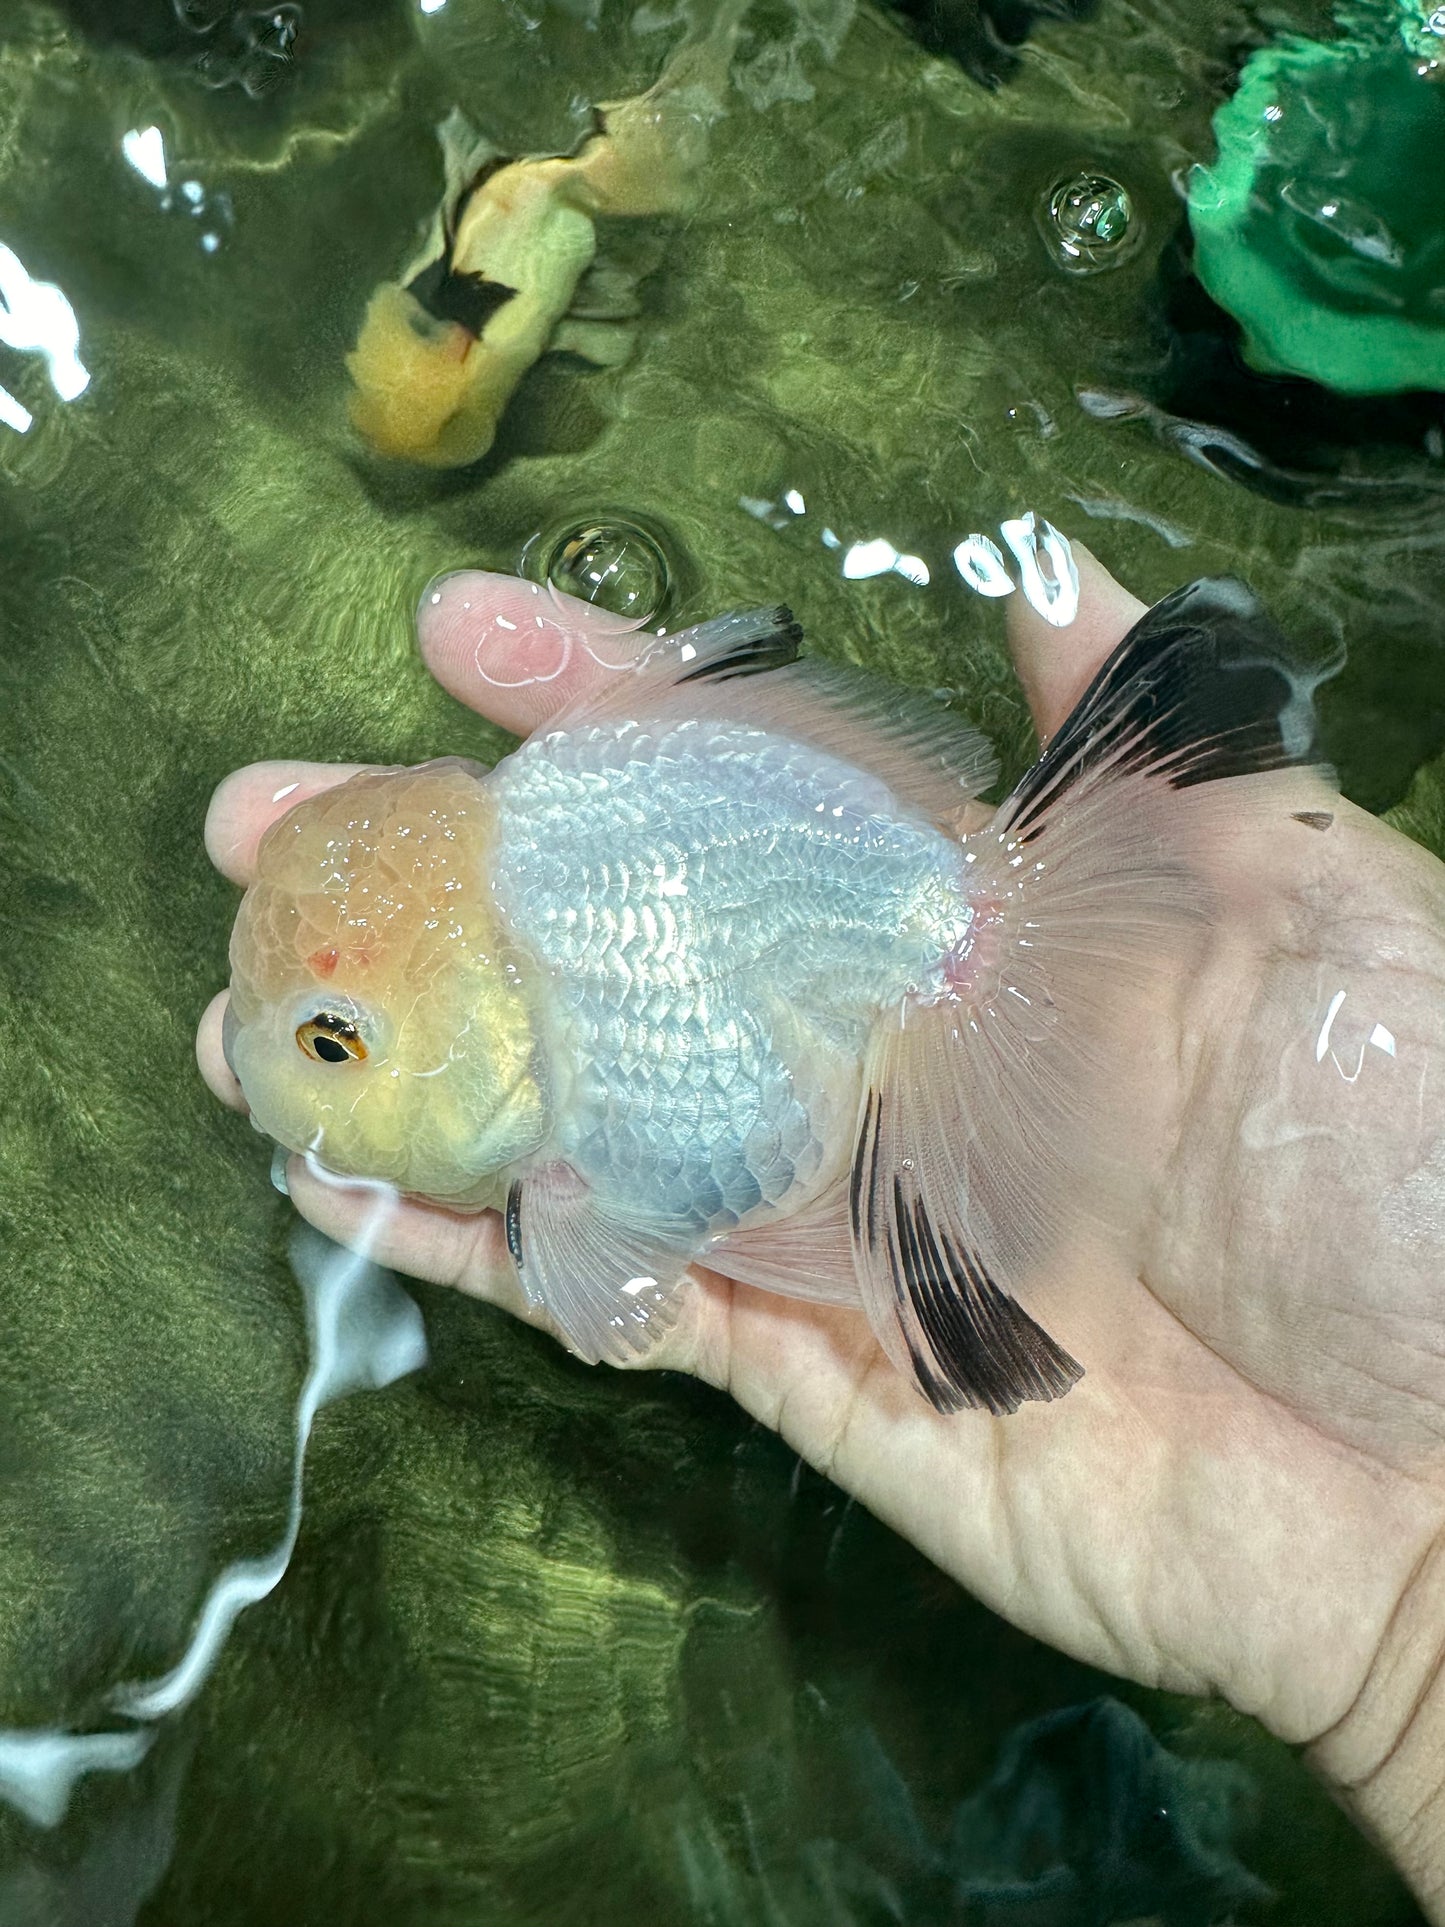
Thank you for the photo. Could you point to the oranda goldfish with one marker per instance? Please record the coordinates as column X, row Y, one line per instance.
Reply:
column 500, row 278
column 704, row 970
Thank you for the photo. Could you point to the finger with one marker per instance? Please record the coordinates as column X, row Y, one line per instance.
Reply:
column 247, row 803
column 519, row 651
column 211, row 1057
column 1055, row 666
column 465, row 1249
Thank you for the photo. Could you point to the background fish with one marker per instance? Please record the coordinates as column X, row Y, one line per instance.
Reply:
column 704, row 970
column 441, row 351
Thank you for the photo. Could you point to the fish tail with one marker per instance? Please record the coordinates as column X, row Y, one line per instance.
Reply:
column 996, row 1129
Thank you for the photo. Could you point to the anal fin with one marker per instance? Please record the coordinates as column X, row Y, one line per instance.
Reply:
column 806, row 1255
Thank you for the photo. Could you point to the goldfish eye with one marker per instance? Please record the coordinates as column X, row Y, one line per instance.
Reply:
column 328, row 1039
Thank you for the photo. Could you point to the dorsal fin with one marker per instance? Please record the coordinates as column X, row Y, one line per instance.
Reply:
column 745, row 643
column 746, row 668
column 1201, row 688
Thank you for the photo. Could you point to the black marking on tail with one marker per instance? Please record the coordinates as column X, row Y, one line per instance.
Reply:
column 983, row 1349
column 513, row 1220
column 864, row 1176
column 987, row 1349
column 1201, row 688
column 774, row 644
column 468, row 299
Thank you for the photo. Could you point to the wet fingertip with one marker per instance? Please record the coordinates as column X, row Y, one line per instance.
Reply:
column 225, row 849
column 433, row 598
column 216, row 1073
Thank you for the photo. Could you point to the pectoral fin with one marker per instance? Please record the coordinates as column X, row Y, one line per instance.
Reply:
column 746, row 668
column 606, row 344
column 609, row 1283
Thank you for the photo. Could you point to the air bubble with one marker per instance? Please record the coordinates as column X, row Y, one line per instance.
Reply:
column 1088, row 223
column 613, row 562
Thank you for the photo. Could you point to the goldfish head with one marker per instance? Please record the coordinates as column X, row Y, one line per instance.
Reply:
column 421, row 390
column 379, row 1017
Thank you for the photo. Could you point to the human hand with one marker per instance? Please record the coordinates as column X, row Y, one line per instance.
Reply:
column 1246, row 1493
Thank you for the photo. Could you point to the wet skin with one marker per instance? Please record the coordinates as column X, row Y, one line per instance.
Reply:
column 1246, row 1493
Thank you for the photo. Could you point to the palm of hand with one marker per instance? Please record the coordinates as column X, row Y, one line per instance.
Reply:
column 1252, row 1467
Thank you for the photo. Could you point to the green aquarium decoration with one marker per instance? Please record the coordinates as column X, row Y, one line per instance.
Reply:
column 1316, row 227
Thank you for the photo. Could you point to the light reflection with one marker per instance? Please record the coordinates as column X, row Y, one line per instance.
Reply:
column 14, row 412
column 365, row 1333
column 1381, row 1038
column 1048, row 574
column 1053, row 591
column 879, row 557
column 979, row 560
column 145, row 149
column 39, row 1769
column 35, row 316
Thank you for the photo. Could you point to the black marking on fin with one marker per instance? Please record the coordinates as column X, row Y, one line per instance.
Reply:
column 468, row 299
column 983, row 1349
column 1200, row 689
column 513, row 1220
column 867, row 1149
column 775, row 643
column 987, row 1351
column 1315, row 819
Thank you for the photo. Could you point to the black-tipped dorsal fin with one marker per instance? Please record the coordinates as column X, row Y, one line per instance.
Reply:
column 746, row 643
column 1204, row 686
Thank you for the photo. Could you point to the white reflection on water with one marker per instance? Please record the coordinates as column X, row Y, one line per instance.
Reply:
column 38, row 1769
column 1381, row 1038
column 879, row 557
column 979, row 561
column 145, row 149
column 1048, row 574
column 35, row 316
column 365, row 1333
column 14, row 412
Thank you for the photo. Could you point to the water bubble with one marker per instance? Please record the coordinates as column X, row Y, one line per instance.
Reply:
column 613, row 562
column 1088, row 223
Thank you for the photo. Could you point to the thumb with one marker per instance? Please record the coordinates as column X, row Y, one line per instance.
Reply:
column 1055, row 666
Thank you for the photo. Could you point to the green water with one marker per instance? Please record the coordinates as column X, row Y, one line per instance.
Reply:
column 556, row 1645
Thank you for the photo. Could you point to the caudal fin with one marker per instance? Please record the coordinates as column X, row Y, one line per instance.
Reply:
column 994, row 1126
